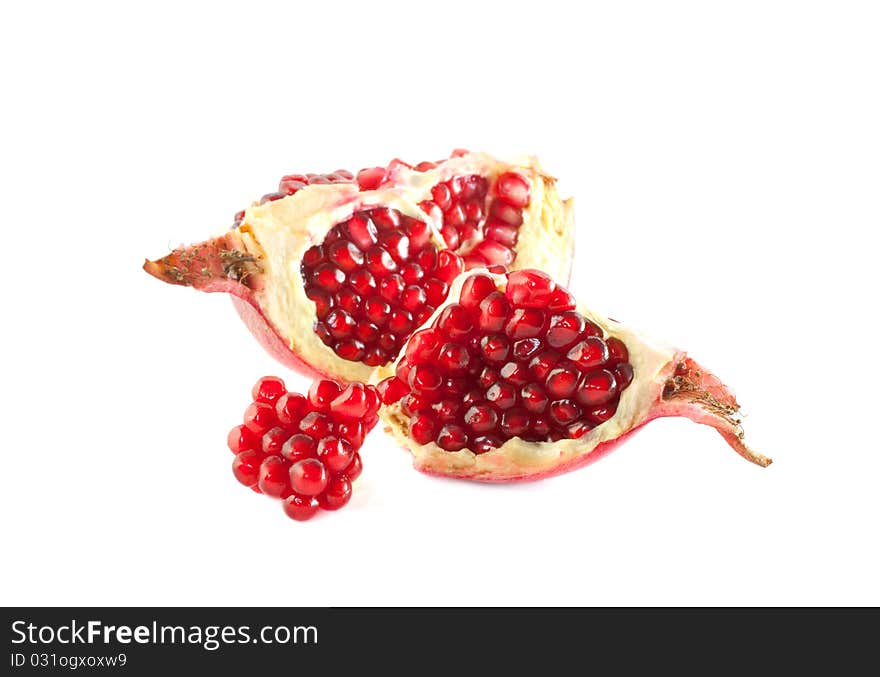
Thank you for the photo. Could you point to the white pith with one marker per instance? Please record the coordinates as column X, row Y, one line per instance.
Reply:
column 279, row 233
column 517, row 458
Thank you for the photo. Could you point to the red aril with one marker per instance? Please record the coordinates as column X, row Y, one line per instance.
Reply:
column 309, row 458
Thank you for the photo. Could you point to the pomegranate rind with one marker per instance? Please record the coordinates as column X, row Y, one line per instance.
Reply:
column 666, row 383
column 258, row 262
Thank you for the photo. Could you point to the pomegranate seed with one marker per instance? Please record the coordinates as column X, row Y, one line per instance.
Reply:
column 386, row 218
column 449, row 266
column 419, row 235
column 366, row 332
column 481, row 418
column 493, row 250
column 300, row 508
column 533, row 398
column 345, row 255
column 564, row 412
column 506, row 235
column 273, row 440
column 495, row 348
column 362, row 232
column 617, row 351
column 542, row 364
column 475, row 289
column 485, row 444
column 413, row 298
column 268, row 389
column 502, row 395
column 377, row 310
column 623, row 374
column 525, row 323
column 562, row 380
column 526, row 348
column 565, row 329
column 309, row 477
column 298, row 447
column 337, row 493
column 589, row 353
column 423, row 346
column 506, row 213
column 422, row 428
column 352, row 402
column 328, row 277
column 455, row 322
column 454, row 358
column 397, row 245
column 427, row 258
column 560, row 299
column 424, row 379
column 355, row 468
column 446, row 410
column 530, row 288
column 515, row 373
column 603, row 412
column 441, row 195
column 452, row 437
column 340, row 323
column 353, row 431
column 540, row 427
column 379, row 262
column 598, row 387
column 363, row 282
column 241, row 438
column 450, row 236
column 577, row 430
column 513, row 189
column 259, row 417
column 391, row 287
column 274, row 477
column 335, row 454
column 436, row 291
column 488, row 377
column 246, row 467
column 493, row 312
column 322, row 300
column 316, row 425
column 412, row 273
column 370, row 179
column 514, row 422
column 388, row 342
column 322, row 393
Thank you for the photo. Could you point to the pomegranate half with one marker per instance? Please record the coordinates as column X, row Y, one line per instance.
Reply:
column 333, row 272
column 512, row 380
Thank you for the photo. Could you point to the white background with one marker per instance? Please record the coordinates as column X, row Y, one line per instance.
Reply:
column 724, row 161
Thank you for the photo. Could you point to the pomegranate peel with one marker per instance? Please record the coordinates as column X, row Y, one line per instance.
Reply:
column 662, row 381
column 263, row 262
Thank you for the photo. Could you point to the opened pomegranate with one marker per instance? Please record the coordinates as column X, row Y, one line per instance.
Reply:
column 333, row 272
column 511, row 380
column 303, row 450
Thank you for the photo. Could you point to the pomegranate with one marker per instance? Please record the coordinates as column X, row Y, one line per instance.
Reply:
column 303, row 450
column 511, row 380
column 333, row 272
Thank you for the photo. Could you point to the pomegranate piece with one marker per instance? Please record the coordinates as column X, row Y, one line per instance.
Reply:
column 309, row 457
column 547, row 387
column 334, row 272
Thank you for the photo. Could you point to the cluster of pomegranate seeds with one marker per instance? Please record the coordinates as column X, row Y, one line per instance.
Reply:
column 303, row 450
column 515, row 363
column 374, row 279
column 461, row 205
